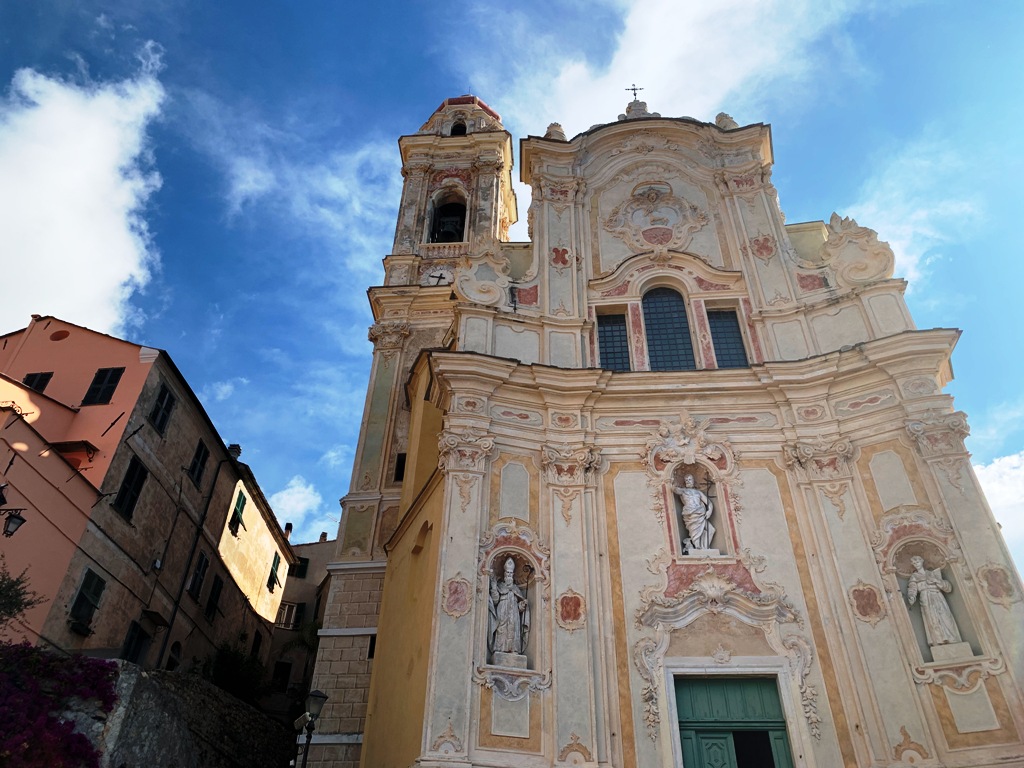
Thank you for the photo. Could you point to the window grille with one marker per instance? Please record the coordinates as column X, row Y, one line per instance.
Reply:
column 669, row 347
column 613, row 342
column 727, row 338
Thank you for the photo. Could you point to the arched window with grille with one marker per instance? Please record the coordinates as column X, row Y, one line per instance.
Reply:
column 669, row 346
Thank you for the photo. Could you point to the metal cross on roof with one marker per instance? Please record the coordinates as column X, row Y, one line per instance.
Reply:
column 634, row 89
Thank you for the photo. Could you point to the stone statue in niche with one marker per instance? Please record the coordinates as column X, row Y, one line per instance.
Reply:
column 697, row 511
column 939, row 625
column 508, row 625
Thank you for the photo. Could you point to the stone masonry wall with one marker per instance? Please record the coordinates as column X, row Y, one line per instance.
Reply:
column 177, row 720
column 342, row 667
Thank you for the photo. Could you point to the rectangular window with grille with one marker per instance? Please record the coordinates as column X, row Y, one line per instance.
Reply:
column 103, row 385
column 727, row 338
column 198, row 465
column 37, row 381
column 160, row 414
column 131, row 488
column 613, row 342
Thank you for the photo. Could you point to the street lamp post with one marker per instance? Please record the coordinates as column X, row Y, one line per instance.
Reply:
column 314, row 706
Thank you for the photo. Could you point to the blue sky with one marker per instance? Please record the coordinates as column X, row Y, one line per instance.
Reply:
column 220, row 180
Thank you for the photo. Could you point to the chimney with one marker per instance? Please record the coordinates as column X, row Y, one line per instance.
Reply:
column 288, row 531
column 323, row 535
column 235, row 450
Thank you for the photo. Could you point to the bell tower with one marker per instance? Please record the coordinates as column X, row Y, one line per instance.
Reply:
column 457, row 199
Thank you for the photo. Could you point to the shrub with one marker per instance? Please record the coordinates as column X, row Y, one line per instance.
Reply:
column 35, row 687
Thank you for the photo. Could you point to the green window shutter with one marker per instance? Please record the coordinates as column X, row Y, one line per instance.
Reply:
column 236, row 515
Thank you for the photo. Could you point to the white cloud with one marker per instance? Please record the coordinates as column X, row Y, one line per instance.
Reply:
column 347, row 198
column 1003, row 482
column 729, row 55
column 916, row 197
column 75, row 176
column 708, row 55
column 300, row 504
column 219, row 391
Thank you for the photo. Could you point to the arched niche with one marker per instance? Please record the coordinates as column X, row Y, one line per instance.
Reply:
column 935, row 559
column 447, row 217
column 686, row 516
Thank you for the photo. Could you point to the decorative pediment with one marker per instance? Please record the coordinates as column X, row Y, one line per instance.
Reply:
column 716, row 590
column 729, row 590
column 509, row 536
column 936, row 542
column 687, row 443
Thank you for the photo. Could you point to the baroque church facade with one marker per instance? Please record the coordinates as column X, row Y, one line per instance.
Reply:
column 673, row 483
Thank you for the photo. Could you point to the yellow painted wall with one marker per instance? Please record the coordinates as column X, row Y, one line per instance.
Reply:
column 250, row 554
column 394, row 718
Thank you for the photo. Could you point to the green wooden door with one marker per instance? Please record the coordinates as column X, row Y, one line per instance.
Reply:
column 731, row 722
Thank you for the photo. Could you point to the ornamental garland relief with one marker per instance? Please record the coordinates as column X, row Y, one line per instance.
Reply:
column 653, row 217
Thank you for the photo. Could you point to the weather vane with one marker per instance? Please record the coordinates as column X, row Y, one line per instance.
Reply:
column 634, row 89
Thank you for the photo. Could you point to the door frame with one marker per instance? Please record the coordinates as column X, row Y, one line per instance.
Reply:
column 800, row 741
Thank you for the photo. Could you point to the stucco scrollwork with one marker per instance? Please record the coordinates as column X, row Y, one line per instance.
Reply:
column 960, row 677
column 568, row 465
column 509, row 536
column 853, row 253
column 801, row 656
column 512, row 684
column 465, row 484
column 653, row 217
column 820, row 460
column 907, row 524
column 686, row 443
column 566, row 496
column 447, row 743
column 690, row 591
column 714, row 591
column 647, row 658
column 388, row 334
column 908, row 748
column 939, row 434
column 461, row 450
column 484, row 279
column 574, row 752
column 835, row 492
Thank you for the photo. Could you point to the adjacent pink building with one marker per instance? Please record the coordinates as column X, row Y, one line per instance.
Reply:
column 145, row 534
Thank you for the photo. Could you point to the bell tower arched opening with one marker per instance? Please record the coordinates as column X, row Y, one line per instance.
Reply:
column 448, row 222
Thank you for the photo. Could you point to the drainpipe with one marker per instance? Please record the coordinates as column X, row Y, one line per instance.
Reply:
column 188, row 563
